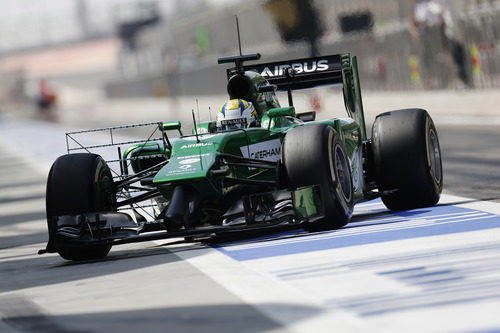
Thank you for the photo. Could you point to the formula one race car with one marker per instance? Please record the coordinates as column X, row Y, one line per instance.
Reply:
column 259, row 166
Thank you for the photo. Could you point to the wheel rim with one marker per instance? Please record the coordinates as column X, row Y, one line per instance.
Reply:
column 105, row 200
column 434, row 156
column 342, row 172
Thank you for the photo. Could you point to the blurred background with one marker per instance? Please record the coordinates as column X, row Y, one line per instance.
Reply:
column 80, row 54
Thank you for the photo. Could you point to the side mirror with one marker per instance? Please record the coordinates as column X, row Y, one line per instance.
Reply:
column 281, row 112
column 170, row 126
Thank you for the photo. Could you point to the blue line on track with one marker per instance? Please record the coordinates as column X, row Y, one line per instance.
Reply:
column 384, row 227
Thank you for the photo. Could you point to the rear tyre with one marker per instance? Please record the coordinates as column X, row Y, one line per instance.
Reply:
column 314, row 154
column 407, row 159
column 79, row 183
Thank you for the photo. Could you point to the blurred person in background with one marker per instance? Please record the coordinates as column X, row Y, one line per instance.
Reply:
column 46, row 100
column 440, row 47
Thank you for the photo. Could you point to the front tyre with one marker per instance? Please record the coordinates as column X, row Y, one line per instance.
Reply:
column 79, row 183
column 314, row 155
column 407, row 159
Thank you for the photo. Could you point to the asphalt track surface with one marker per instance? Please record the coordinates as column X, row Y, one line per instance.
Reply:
column 471, row 156
column 432, row 270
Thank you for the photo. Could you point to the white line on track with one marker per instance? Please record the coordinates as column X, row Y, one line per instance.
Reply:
column 406, row 223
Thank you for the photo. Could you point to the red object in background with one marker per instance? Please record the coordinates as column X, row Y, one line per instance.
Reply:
column 382, row 68
column 47, row 97
column 315, row 103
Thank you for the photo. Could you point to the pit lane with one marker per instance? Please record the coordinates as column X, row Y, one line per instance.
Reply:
column 384, row 271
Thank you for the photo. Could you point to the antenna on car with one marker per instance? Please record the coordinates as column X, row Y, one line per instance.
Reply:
column 210, row 113
column 239, row 59
column 195, row 129
column 198, row 110
column 290, row 74
column 238, row 31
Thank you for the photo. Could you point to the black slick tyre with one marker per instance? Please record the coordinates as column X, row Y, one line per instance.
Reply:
column 314, row 155
column 407, row 159
column 79, row 183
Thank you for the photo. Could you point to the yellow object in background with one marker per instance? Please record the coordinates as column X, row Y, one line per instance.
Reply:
column 474, row 57
column 414, row 71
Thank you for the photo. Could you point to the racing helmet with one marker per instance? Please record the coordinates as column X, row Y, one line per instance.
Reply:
column 236, row 113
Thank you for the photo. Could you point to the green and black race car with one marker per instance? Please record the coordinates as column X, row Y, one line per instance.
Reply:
column 280, row 168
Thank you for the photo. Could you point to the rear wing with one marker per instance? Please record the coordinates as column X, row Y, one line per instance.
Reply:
column 307, row 73
column 303, row 73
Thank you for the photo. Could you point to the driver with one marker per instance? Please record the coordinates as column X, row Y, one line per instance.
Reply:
column 236, row 113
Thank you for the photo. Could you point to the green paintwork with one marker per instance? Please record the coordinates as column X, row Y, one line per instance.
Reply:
column 170, row 125
column 305, row 202
column 192, row 160
column 352, row 91
column 279, row 119
column 142, row 150
column 281, row 112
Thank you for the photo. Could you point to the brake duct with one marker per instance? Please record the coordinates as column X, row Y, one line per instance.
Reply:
column 183, row 210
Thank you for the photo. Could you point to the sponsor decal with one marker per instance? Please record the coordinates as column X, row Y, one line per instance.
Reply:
column 232, row 122
column 195, row 145
column 189, row 160
column 267, row 150
column 182, row 169
column 319, row 66
column 198, row 156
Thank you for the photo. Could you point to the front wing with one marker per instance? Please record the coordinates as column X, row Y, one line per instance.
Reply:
column 113, row 228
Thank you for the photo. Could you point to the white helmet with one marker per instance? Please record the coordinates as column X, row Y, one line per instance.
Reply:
column 236, row 113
